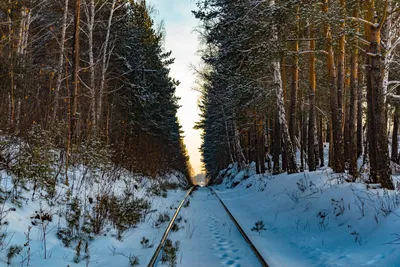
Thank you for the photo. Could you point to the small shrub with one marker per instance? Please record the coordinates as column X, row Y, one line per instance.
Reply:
column 175, row 227
column 169, row 253
column 13, row 251
column 258, row 227
column 65, row 235
column 146, row 243
column 388, row 202
column 77, row 257
column 338, row 206
column 86, row 256
column 187, row 203
column 133, row 261
column 302, row 185
column 323, row 222
column 73, row 214
column 126, row 212
column 158, row 190
column 162, row 218
column 357, row 237
column 293, row 195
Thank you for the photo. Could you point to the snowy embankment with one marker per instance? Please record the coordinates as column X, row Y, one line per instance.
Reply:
column 59, row 230
column 316, row 218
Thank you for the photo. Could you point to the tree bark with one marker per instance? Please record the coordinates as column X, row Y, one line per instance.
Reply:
column 60, row 61
column 290, row 152
column 294, row 87
column 75, row 116
column 353, row 155
column 321, row 143
column 395, row 134
column 104, row 65
column 239, row 152
column 312, row 146
column 11, row 112
column 277, row 145
column 377, row 124
column 360, row 115
column 91, row 20
column 337, row 146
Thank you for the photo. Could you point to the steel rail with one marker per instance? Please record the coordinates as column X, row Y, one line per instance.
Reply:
column 156, row 254
column 246, row 238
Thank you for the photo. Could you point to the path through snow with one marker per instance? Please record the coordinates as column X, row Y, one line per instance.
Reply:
column 209, row 237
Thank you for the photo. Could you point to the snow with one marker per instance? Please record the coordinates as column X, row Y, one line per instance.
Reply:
column 311, row 219
column 317, row 219
column 105, row 249
column 209, row 237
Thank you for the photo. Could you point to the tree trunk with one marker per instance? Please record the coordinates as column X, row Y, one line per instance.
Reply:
column 239, row 152
column 303, row 132
column 288, row 146
column 290, row 152
column 360, row 114
column 261, row 146
column 75, row 116
column 389, row 34
column 311, row 121
column 11, row 68
column 294, row 87
column 341, row 70
column 104, row 66
column 228, row 143
column 377, row 124
column 337, row 146
column 60, row 61
column 91, row 20
column 277, row 146
column 321, row 143
column 353, row 155
column 395, row 134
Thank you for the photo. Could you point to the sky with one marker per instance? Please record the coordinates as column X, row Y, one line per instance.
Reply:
column 182, row 40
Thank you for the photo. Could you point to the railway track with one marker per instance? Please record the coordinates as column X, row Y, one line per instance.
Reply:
column 157, row 253
column 154, row 259
column 240, row 229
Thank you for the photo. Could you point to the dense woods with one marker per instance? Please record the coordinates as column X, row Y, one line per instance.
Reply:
column 90, row 74
column 287, row 76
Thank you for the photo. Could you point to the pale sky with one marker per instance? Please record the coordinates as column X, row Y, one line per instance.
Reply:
column 183, row 42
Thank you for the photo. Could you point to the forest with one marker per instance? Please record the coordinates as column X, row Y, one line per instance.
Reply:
column 287, row 76
column 90, row 140
column 89, row 74
column 299, row 116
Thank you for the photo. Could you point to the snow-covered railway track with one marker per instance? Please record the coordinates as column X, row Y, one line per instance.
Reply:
column 240, row 229
column 156, row 255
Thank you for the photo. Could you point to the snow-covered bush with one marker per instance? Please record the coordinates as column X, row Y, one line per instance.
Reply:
column 258, row 227
column 175, row 227
column 126, row 212
column 157, row 190
column 187, row 203
column 13, row 251
column 170, row 253
column 145, row 242
column 162, row 218
column 34, row 161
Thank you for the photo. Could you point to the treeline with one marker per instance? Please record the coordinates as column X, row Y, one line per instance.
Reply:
column 91, row 70
column 286, row 75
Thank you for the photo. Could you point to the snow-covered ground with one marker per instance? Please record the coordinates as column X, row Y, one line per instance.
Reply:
column 309, row 218
column 105, row 249
column 208, row 237
column 316, row 219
